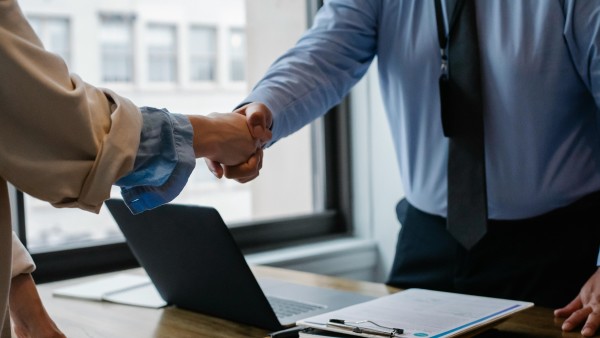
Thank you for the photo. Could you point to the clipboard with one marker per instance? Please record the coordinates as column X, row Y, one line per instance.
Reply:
column 417, row 313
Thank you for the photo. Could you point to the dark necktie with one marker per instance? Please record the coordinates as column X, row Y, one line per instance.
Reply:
column 462, row 119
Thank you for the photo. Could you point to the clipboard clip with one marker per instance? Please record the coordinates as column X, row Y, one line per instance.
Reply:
column 355, row 327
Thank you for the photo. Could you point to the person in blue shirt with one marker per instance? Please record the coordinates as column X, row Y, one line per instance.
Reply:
column 540, row 64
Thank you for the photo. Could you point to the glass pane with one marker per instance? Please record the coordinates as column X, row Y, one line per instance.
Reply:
column 203, row 49
column 143, row 38
column 116, row 47
column 162, row 61
column 54, row 34
column 237, row 45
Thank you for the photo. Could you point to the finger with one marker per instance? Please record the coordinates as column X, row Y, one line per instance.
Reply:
column 247, row 179
column 245, row 171
column 591, row 325
column 259, row 154
column 573, row 306
column 259, row 119
column 214, row 167
column 576, row 319
column 259, row 126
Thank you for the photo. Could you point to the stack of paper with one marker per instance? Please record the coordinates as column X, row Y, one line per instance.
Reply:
column 123, row 288
column 415, row 313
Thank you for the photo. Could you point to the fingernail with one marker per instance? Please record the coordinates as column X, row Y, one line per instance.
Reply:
column 587, row 331
column 567, row 326
column 258, row 130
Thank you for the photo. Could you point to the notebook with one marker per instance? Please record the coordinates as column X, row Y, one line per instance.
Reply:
column 195, row 264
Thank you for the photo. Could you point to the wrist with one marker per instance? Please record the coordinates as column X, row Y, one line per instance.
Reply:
column 204, row 143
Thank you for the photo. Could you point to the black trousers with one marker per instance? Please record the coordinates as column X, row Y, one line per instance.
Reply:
column 545, row 259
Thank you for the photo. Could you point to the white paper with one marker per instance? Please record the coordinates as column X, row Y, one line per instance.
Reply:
column 122, row 288
column 422, row 313
column 145, row 296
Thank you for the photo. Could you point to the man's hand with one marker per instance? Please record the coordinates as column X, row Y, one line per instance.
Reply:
column 259, row 119
column 584, row 309
column 27, row 312
column 223, row 138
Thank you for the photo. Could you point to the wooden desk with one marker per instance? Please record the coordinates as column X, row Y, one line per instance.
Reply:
column 80, row 318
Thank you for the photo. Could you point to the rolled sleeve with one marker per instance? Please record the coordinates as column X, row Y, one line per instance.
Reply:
column 164, row 161
column 21, row 260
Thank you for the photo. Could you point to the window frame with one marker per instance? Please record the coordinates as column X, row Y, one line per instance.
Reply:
column 332, row 130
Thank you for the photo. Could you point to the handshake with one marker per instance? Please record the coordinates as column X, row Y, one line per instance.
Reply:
column 232, row 143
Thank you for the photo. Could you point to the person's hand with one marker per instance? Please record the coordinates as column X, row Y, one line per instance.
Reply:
column 28, row 315
column 259, row 119
column 584, row 309
column 223, row 138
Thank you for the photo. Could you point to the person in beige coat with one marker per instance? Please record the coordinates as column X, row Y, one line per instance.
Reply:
column 67, row 142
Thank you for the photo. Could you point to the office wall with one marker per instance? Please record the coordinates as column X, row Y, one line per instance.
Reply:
column 376, row 179
column 266, row 42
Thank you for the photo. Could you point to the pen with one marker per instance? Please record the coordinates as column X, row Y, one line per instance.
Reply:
column 344, row 325
column 292, row 332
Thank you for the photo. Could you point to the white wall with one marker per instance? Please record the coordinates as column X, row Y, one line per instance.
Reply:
column 376, row 179
column 265, row 43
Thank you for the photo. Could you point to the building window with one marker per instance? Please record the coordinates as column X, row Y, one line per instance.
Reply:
column 203, row 53
column 54, row 33
column 162, row 53
column 296, row 197
column 116, row 48
column 237, row 52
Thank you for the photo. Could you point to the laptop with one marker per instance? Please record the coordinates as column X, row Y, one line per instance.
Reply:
column 195, row 264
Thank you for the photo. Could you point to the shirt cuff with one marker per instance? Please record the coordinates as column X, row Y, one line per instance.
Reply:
column 164, row 161
column 21, row 260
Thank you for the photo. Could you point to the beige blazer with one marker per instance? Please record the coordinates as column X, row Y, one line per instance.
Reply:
column 61, row 139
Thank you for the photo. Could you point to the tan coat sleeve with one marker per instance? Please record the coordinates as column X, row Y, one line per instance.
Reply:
column 61, row 139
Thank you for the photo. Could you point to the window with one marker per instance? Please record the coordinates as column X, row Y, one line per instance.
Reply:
column 54, row 33
column 116, row 45
column 302, row 192
column 203, row 53
column 162, row 53
column 236, row 53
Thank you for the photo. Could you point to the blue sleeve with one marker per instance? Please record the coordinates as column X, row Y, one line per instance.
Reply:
column 309, row 79
column 164, row 161
column 582, row 35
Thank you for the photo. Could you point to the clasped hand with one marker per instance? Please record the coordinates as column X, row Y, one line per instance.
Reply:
column 256, row 119
column 225, row 141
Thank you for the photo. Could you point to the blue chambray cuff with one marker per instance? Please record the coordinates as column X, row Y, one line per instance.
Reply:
column 598, row 260
column 164, row 161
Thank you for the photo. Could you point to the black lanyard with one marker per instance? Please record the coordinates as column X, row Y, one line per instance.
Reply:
column 441, row 29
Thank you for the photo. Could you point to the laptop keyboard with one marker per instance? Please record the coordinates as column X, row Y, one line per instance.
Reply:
column 286, row 308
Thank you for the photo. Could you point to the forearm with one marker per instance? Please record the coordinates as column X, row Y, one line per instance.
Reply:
column 27, row 312
column 316, row 74
column 169, row 145
column 61, row 139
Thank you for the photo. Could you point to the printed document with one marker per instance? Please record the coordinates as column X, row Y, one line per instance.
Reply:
column 419, row 313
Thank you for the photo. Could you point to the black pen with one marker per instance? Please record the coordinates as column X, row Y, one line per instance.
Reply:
column 353, row 327
column 292, row 332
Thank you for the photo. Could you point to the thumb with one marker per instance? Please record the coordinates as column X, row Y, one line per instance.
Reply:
column 214, row 167
column 259, row 119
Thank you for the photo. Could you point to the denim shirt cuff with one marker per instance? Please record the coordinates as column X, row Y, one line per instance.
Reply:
column 164, row 161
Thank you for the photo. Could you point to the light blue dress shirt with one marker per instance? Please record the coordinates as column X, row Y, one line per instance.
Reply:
column 164, row 161
column 541, row 84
